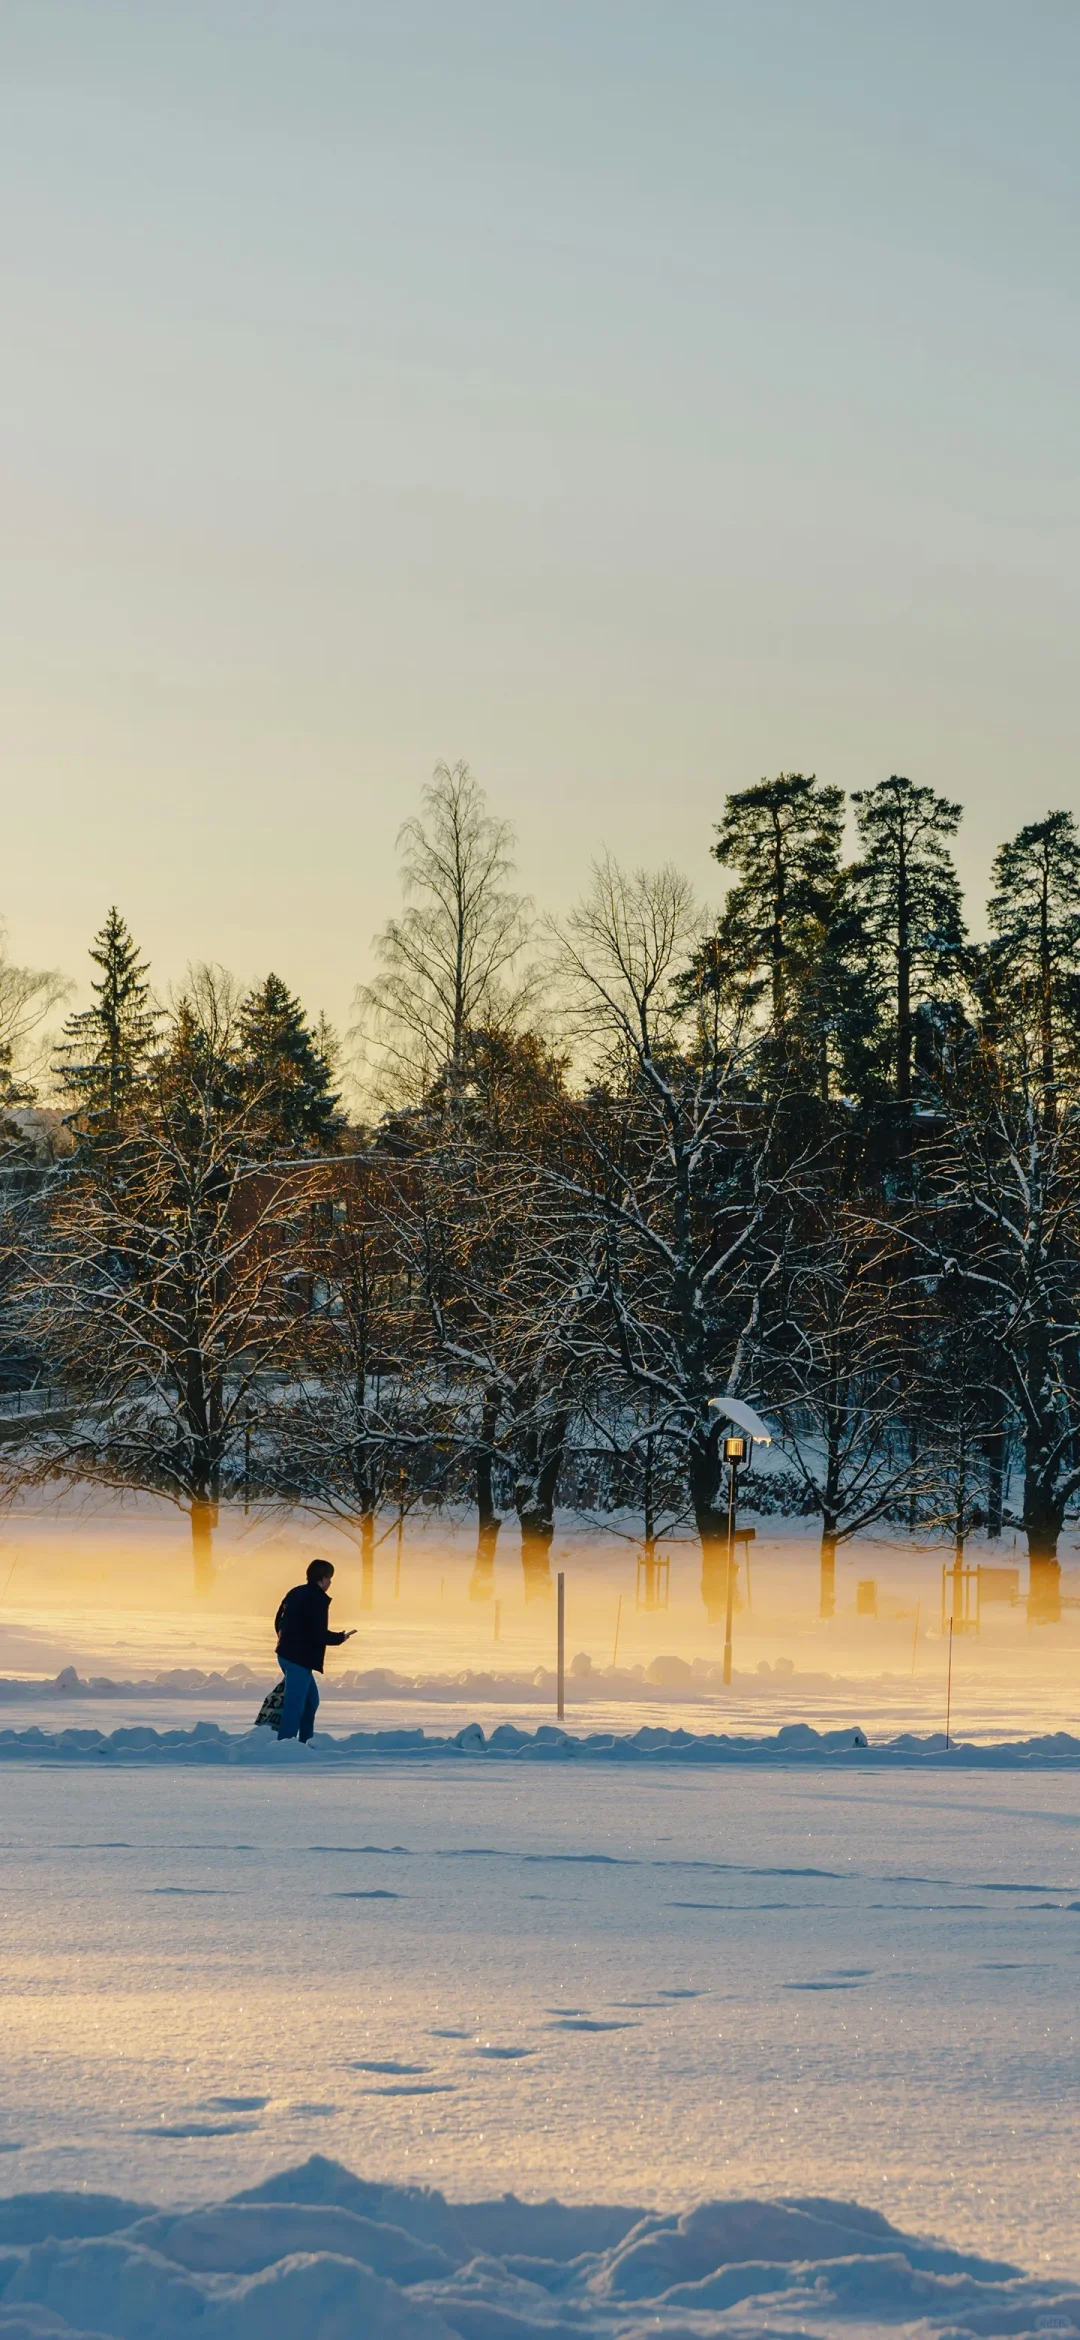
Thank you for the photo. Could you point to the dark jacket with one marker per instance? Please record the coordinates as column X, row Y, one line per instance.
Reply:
column 303, row 1627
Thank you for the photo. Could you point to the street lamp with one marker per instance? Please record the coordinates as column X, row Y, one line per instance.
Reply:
column 738, row 1449
column 748, row 1427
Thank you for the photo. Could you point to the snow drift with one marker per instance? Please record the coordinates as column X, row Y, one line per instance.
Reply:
column 318, row 2254
column 207, row 1742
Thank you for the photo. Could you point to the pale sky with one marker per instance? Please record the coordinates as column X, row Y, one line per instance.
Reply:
column 631, row 399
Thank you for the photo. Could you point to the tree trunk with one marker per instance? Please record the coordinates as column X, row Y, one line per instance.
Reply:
column 827, row 1607
column 1044, row 1592
column 534, row 1499
column 484, row 1467
column 367, row 1560
column 705, row 1473
column 202, row 1513
column 994, row 1449
column 903, row 982
column 482, row 1580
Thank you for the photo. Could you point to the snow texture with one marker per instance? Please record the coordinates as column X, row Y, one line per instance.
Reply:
column 207, row 1742
column 318, row 2254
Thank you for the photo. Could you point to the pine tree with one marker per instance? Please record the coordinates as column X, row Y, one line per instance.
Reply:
column 1034, row 914
column 783, row 837
column 908, row 894
column 107, row 1047
column 283, row 1068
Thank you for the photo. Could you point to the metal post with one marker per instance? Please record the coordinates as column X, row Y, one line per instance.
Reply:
column 560, row 1676
column 948, row 1693
column 730, row 1571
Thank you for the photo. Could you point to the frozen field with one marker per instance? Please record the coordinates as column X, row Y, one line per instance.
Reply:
column 441, row 1642
column 645, row 1986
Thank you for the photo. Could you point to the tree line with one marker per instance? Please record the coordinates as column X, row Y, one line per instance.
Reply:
column 821, row 1152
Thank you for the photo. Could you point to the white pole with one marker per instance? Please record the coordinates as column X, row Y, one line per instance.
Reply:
column 561, row 1662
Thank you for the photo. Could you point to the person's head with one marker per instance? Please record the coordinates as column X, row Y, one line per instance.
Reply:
column 320, row 1572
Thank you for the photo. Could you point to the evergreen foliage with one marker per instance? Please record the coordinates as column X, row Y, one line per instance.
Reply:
column 283, row 1071
column 1034, row 961
column 907, row 894
column 107, row 1047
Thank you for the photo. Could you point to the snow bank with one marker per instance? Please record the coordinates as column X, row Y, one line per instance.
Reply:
column 207, row 1742
column 688, row 1681
column 317, row 2254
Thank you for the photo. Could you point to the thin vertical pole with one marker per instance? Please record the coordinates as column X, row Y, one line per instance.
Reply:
column 730, row 1572
column 948, row 1693
column 247, row 1465
column 560, row 1676
column 618, row 1622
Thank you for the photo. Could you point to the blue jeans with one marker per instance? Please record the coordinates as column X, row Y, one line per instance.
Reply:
column 299, row 1703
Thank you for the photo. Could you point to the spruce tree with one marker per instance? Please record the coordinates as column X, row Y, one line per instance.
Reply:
column 1034, row 914
column 107, row 1047
column 783, row 838
column 908, row 895
column 283, row 1068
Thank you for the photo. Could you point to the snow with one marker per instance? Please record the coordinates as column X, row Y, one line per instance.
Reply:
column 325, row 2256
column 673, row 2007
column 795, row 1743
column 644, row 1984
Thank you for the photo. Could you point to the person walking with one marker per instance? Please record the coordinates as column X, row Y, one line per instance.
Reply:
column 302, row 1625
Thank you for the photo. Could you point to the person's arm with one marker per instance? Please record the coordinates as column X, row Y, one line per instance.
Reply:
column 335, row 1639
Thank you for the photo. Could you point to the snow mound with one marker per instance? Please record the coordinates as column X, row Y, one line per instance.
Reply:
column 323, row 2255
column 207, row 1742
column 691, row 1682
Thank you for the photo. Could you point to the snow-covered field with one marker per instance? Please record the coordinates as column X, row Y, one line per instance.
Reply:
column 642, row 1973
column 646, row 1985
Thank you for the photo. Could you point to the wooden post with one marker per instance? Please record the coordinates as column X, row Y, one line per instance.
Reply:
column 560, row 1672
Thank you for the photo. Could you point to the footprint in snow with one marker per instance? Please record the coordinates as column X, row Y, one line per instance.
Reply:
column 449, row 2035
column 11, row 2144
column 200, row 2129
column 421, row 2088
column 506, row 2055
column 234, row 2103
column 375, row 1893
column 682, row 1994
column 848, row 1984
column 389, row 2068
column 589, row 2023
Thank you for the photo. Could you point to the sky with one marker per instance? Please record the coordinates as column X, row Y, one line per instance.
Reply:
column 633, row 400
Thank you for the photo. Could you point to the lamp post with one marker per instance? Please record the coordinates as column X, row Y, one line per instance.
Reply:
column 737, row 1447
column 746, row 1428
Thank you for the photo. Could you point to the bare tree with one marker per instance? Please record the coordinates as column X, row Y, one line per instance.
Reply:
column 162, row 1281
column 481, row 1243
column 839, row 1355
column 453, row 960
column 998, row 1222
column 675, row 1189
column 358, row 1428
